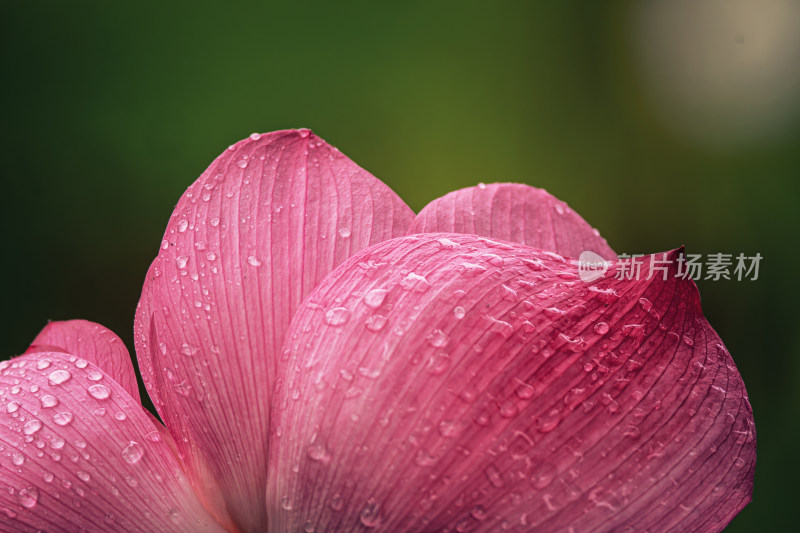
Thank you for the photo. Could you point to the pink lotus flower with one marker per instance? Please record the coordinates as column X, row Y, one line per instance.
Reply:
column 323, row 360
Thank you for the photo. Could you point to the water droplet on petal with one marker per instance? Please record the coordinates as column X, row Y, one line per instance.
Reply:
column 12, row 407
column 438, row 338
column 99, row 392
column 375, row 298
column 459, row 312
column 83, row 476
column 369, row 514
column 601, row 328
column 375, row 322
column 344, row 232
column 63, row 418
column 31, row 427
column 182, row 225
column 318, row 452
column 42, row 364
column 337, row 316
column 133, row 452
column 253, row 261
column 57, row 377
column 28, row 497
column 48, row 400
column 181, row 261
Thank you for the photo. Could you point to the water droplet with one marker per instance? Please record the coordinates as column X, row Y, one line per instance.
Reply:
column 459, row 312
column 57, row 377
column 94, row 375
column 601, row 328
column 99, row 392
column 31, row 427
column 17, row 459
column 344, row 232
column 494, row 475
column 415, row 282
column 253, row 261
column 424, row 458
column 181, row 261
column 375, row 298
column 42, row 364
column 83, row 476
column 337, row 316
column 63, row 418
column 449, row 428
column 438, row 338
column 255, row 136
column 479, row 512
column 242, row 163
column 286, row 504
column 549, row 422
column 164, row 244
column 525, row 391
column 28, row 497
column 369, row 514
column 375, row 322
column 12, row 407
column 133, row 452
column 438, row 363
column 337, row 502
column 182, row 225
column 57, row 442
column 318, row 452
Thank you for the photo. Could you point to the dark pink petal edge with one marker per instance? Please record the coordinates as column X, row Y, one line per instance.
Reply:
column 445, row 382
column 246, row 243
column 78, row 453
column 513, row 212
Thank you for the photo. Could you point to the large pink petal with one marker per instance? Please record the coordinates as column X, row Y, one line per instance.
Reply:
column 92, row 342
column 513, row 212
column 77, row 453
column 246, row 243
column 448, row 383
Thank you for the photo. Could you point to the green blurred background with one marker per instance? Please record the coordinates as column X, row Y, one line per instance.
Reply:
column 661, row 123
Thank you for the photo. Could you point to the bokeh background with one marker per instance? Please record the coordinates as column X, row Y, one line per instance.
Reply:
column 661, row 123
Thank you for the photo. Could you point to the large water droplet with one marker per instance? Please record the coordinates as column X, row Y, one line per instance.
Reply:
column 375, row 298
column 181, row 261
column 31, row 427
column 415, row 282
column 63, row 418
column 42, row 364
column 337, row 316
column 57, row 377
column 369, row 514
column 28, row 497
column 182, row 225
column 318, row 452
column 99, row 392
column 133, row 452
column 12, row 407
column 438, row 338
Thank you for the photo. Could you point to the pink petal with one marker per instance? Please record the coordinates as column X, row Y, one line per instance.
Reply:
column 513, row 212
column 92, row 342
column 78, row 453
column 465, row 385
column 246, row 243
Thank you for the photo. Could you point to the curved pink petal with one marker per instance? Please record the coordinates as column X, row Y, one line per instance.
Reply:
column 92, row 342
column 246, row 243
column 78, row 453
column 513, row 212
column 448, row 383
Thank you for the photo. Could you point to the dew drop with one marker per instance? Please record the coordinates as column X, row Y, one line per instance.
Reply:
column 28, row 497
column 63, row 418
column 601, row 328
column 375, row 298
column 415, row 282
column 375, row 322
column 133, row 452
column 242, row 163
column 57, row 377
column 182, row 225
column 253, row 261
column 181, row 261
column 42, row 364
column 17, row 459
column 318, row 452
column 31, row 427
column 344, row 233
column 337, row 316
column 99, row 392
column 369, row 514
column 83, row 476
column 438, row 338
column 494, row 475
column 459, row 312
column 12, row 407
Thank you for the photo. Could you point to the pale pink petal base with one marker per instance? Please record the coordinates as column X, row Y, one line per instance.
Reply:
column 443, row 382
column 92, row 342
column 79, row 454
column 513, row 212
column 245, row 245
